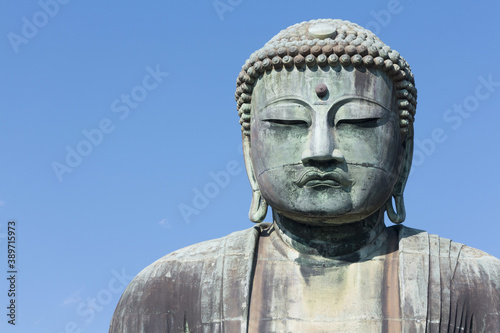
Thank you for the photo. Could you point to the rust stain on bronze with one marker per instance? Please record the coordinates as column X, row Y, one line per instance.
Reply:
column 390, row 290
column 258, row 287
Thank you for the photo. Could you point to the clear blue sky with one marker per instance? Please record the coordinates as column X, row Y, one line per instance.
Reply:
column 85, row 230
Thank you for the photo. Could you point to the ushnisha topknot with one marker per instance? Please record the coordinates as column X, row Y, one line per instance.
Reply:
column 327, row 42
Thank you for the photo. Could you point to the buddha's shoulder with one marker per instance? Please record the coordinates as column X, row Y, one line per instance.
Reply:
column 479, row 263
column 199, row 258
column 184, row 279
column 456, row 254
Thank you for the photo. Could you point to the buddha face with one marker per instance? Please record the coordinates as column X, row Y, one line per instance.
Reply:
column 325, row 157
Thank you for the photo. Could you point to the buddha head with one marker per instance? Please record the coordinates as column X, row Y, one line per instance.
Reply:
column 327, row 115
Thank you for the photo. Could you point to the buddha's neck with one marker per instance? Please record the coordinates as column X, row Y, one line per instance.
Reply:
column 329, row 241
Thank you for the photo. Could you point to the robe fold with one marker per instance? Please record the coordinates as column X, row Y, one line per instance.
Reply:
column 429, row 284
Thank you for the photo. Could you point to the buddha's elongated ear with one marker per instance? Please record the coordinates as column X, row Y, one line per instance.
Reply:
column 258, row 207
column 398, row 215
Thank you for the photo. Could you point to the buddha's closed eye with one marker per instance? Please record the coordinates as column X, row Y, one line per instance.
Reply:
column 363, row 122
column 289, row 122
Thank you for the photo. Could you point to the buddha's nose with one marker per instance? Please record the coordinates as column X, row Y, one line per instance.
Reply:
column 321, row 146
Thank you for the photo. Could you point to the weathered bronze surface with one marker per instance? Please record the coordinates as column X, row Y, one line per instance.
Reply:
column 327, row 115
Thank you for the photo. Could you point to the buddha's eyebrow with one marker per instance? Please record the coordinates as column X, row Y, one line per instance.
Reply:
column 292, row 99
column 348, row 98
column 341, row 100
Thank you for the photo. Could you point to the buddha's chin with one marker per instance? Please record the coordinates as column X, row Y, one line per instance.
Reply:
column 320, row 215
column 332, row 213
column 315, row 219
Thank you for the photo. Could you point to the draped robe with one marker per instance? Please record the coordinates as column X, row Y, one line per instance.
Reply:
column 420, row 283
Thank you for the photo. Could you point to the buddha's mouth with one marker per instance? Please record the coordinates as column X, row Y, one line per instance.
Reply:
column 322, row 183
column 316, row 178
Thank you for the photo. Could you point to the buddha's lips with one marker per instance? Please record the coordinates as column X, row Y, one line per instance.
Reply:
column 312, row 177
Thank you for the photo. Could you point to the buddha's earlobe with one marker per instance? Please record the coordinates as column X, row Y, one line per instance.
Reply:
column 258, row 207
column 398, row 215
